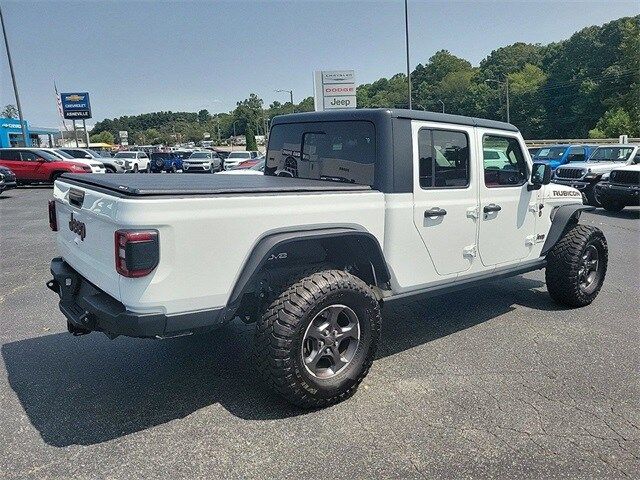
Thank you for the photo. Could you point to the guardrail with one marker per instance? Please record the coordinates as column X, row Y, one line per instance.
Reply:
column 577, row 141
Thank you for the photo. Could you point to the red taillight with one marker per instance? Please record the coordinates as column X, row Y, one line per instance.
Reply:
column 53, row 219
column 137, row 252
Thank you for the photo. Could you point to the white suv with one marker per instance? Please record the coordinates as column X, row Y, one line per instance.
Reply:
column 132, row 161
column 238, row 157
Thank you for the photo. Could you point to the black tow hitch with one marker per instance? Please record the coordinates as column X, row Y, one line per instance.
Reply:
column 75, row 330
column 53, row 285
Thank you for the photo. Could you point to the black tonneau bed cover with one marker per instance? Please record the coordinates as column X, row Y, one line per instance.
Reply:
column 144, row 185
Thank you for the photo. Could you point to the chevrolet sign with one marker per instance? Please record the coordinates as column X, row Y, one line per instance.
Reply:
column 75, row 105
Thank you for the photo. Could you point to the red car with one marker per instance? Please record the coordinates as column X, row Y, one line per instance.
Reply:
column 34, row 165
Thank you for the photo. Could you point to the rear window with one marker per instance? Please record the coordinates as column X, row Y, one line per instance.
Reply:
column 338, row 151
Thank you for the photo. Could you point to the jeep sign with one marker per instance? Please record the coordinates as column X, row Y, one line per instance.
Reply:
column 334, row 89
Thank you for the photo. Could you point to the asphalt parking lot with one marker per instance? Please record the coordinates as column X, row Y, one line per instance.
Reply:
column 491, row 382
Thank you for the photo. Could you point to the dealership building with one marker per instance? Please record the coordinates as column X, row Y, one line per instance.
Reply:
column 11, row 134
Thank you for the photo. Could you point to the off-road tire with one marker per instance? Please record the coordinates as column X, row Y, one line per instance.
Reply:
column 612, row 205
column 590, row 195
column 564, row 262
column 280, row 333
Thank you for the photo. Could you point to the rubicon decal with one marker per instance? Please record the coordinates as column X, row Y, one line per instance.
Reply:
column 566, row 193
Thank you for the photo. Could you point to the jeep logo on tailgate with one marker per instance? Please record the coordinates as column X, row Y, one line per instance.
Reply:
column 78, row 227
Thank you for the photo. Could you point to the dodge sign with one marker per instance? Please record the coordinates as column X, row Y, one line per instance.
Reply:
column 334, row 89
column 75, row 106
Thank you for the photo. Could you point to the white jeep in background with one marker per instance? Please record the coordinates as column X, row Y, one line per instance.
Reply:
column 378, row 206
column 585, row 175
column 620, row 188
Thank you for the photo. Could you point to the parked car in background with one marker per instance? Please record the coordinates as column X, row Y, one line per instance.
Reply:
column 165, row 162
column 89, row 154
column 248, row 163
column 132, row 161
column 203, row 161
column 585, row 175
column 533, row 151
column 32, row 165
column 237, row 157
column 257, row 169
column 620, row 188
column 557, row 155
column 96, row 166
column 7, row 179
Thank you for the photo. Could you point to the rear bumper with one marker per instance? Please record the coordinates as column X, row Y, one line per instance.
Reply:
column 87, row 309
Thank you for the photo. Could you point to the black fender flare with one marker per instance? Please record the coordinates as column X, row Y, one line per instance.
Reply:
column 272, row 247
column 565, row 215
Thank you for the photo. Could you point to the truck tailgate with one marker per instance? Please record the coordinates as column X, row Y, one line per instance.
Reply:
column 85, row 239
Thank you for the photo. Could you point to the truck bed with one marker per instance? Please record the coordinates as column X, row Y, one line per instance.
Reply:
column 146, row 185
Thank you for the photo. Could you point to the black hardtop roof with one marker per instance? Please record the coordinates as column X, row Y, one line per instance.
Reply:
column 376, row 115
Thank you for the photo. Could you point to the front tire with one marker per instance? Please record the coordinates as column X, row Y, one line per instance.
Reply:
column 577, row 265
column 611, row 205
column 317, row 340
column 592, row 197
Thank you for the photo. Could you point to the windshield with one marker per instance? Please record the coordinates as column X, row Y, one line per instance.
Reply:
column 125, row 155
column 611, row 154
column 46, row 155
column 552, row 153
column 233, row 155
column 62, row 154
column 200, row 155
column 94, row 154
column 338, row 151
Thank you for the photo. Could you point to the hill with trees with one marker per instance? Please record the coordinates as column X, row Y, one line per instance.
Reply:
column 587, row 85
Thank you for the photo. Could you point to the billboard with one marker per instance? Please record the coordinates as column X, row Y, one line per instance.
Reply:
column 75, row 106
column 334, row 89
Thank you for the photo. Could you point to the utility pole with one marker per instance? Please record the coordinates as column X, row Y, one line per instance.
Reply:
column 290, row 92
column 406, row 36
column 506, row 85
column 86, row 134
column 13, row 79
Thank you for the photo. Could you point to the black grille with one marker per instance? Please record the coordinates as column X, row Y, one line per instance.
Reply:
column 570, row 173
column 623, row 177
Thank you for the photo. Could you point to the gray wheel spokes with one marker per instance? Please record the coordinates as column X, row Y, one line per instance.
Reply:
column 589, row 268
column 330, row 341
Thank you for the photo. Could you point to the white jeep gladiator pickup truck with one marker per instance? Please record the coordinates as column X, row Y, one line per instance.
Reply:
column 356, row 209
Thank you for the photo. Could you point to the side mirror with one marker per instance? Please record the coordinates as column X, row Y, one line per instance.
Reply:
column 540, row 175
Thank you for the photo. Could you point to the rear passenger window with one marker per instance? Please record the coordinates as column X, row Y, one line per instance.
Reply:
column 444, row 159
column 503, row 160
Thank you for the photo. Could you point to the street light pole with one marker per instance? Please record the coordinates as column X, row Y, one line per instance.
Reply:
column 406, row 35
column 506, row 85
column 290, row 92
column 234, row 135
column 442, row 105
column 13, row 79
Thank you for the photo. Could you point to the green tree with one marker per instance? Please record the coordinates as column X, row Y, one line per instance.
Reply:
column 251, row 139
column 614, row 123
column 9, row 111
column 102, row 137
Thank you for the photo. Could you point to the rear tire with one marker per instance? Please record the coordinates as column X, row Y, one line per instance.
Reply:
column 577, row 265
column 317, row 340
column 135, row 168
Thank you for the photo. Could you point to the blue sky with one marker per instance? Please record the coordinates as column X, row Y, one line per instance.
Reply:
column 138, row 57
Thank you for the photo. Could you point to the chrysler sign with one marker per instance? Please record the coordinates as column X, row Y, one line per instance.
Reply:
column 334, row 89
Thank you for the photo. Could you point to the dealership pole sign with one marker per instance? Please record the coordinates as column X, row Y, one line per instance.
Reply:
column 75, row 106
column 334, row 89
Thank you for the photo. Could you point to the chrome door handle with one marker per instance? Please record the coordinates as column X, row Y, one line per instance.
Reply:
column 435, row 212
